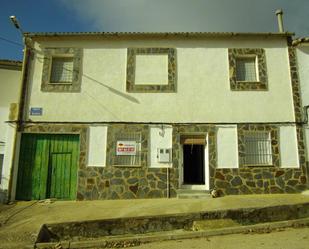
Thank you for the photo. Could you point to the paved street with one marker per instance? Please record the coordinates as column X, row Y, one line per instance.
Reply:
column 20, row 222
column 288, row 239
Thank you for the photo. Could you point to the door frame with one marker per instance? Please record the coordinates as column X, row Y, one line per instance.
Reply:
column 206, row 165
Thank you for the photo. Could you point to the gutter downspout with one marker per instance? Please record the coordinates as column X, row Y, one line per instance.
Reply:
column 19, row 121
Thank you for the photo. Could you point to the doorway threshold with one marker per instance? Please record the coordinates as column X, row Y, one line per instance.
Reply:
column 193, row 194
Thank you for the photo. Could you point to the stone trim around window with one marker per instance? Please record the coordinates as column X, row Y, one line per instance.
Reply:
column 172, row 70
column 49, row 53
column 274, row 136
column 261, row 84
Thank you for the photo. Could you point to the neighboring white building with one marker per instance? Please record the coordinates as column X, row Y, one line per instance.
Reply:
column 140, row 115
column 10, row 79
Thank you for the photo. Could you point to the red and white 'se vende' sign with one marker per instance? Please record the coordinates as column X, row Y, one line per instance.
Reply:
column 126, row 148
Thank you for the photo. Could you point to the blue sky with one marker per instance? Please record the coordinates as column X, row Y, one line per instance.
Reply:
column 147, row 15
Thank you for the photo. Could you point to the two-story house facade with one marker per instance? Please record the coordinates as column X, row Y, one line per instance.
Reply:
column 10, row 79
column 143, row 115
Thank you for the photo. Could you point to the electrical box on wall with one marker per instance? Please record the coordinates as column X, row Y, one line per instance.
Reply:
column 164, row 155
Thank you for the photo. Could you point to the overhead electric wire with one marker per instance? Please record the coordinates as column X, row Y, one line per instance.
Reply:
column 12, row 42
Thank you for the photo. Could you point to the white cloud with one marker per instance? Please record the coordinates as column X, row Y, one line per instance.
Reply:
column 191, row 15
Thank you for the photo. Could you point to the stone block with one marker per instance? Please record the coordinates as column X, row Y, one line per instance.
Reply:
column 117, row 181
column 221, row 184
column 237, row 181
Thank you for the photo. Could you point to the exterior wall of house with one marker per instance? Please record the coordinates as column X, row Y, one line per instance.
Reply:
column 10, row 79
column 151, row 181
column 203, row 84
column 197, row 101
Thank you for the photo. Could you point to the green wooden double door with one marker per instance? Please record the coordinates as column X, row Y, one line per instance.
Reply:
column 48, row 166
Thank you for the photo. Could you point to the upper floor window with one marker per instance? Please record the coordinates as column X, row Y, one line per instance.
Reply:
column 61, row 70
column 248, row 70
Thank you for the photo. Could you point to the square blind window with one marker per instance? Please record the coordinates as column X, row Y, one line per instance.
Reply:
column 61, row 70
column 246, row 69
column 257, row 148
column 130, row 153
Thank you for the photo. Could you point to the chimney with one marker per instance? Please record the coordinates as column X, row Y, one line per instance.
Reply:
column 279, row 14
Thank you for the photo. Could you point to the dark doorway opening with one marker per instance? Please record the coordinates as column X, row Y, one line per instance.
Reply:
column 193, row 164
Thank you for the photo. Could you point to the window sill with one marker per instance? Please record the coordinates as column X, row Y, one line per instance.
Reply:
column 59, row 83
column 244, row 81
column 257, row 165
column 127, row 166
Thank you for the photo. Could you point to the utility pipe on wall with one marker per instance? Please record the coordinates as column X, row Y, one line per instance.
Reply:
column 279, row 14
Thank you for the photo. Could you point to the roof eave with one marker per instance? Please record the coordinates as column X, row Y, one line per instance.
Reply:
column 151, row 34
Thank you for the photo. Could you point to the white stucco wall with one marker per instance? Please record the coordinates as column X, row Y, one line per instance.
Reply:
column 160, row 137
column 227, row 146
column 8, row 156
column 158, row 74
column 9, row 86
column 203, row 87
column 9, row 92
column 288, row 147
column 97, row 138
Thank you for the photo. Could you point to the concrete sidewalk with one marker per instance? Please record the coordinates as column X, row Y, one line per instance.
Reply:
column 22, row 221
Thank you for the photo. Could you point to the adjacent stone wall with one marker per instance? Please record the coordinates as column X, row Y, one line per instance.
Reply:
column 295, row 85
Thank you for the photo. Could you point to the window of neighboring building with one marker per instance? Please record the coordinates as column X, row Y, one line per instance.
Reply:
column 246, row 69
column 1, row 166
column 128, row 149
column 258, row 149
column 61, row 70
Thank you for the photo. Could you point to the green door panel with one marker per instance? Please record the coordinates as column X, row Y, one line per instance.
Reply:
column 60, row 165
column 47, row 166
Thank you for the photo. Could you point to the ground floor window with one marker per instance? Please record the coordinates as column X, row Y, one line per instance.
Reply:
column 128, row 149
column 258, row 149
